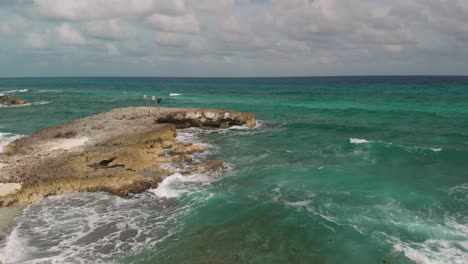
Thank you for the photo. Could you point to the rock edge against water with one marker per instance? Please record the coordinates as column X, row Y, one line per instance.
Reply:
column 119, row 152
column 8, row 100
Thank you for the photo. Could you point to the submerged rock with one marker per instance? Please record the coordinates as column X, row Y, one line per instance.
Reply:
column 119, row 152
column 7, row 100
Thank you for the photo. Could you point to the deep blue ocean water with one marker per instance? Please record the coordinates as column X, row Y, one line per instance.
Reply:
column 338, row 170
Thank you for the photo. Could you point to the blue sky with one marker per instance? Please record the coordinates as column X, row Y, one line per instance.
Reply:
column 232, row 37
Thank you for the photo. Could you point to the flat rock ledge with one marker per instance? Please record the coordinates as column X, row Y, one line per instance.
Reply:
column 120, row 152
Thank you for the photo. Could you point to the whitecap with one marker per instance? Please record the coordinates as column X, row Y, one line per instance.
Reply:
column 13, row 91
column 462, row 188
column 299, row 204
column 436, row 149
column 460, row 192
column 358, row 141
column 167, row 188
column 177, row 184
column 29, row 104
column 175, row 94
column 48, row 91
column 433, row 251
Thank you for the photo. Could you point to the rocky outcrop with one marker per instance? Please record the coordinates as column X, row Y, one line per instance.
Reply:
column 120, row 152
column 205, row 118
column 7, row 100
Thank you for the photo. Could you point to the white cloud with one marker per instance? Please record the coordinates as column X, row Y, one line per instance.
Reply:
column 167, row 58
column 37, row 40
column 66, row 34
column 277, row 34
column 227, row 59
column 112, row 50
column 178, row 24
column 231, row 24
column 110, row 29
column 170, row 39
column 5, row 29
column 212, row 5
column 17, row 24
column 393, row 48
column 99, row 9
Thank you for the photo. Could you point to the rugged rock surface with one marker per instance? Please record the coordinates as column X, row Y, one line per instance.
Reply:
column 119, row 152
column 204, row 119
column 7, row 100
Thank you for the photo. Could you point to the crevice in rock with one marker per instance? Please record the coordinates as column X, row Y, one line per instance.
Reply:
column 104, row 164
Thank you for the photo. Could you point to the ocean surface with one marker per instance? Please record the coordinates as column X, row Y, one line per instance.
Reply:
column 338, row 170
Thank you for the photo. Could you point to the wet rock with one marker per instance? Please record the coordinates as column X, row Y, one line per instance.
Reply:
column 123, row 153
column 7, row 100
column 205, row 118
column 185, row 148
column 208, row 166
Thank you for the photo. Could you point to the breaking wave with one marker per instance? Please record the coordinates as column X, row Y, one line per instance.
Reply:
column 14, row 91
column 6, row 138
column 358, row 141
column 28, row 104
column 100, row 228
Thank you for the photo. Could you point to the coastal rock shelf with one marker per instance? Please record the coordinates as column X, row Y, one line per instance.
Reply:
column 119, row 152
column 204, row 119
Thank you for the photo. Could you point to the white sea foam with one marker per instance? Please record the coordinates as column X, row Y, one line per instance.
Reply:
column 462, row 188
column 446, row 239
column 14, row 91
column 167, row 188
column 11, row 253
column 434, row 251
column 93, row 227
column 358, row 141
column 47, row 91
column 299, row 204
column 191, row 136
column 407, row 148
column 6, row 138
column 460, row 193
column 175, row 94
column 28, row 104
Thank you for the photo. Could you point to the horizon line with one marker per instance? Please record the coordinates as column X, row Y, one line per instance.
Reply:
column 238, row 77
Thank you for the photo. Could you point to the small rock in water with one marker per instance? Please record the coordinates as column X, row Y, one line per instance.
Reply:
column 7, row 100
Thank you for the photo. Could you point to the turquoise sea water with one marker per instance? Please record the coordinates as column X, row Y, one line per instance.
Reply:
column 338, row 170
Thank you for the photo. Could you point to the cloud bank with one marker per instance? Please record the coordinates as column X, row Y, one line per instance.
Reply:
column 232, row 37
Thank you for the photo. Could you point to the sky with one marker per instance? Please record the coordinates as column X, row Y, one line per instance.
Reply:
column 233, row 38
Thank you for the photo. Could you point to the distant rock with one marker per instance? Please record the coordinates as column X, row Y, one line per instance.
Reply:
column 7, row 100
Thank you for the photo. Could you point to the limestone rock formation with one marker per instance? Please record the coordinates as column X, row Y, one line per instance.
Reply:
column 205, row 118
column 119, row 152
column 7, row 100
